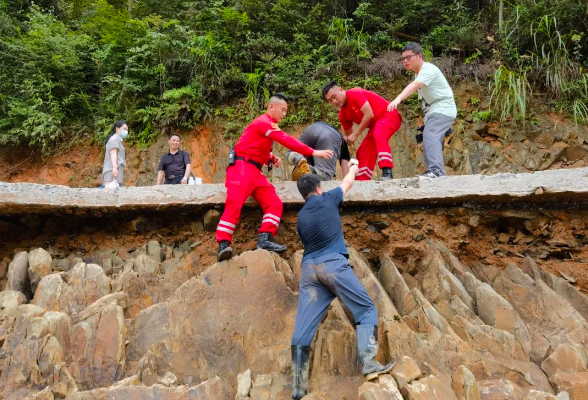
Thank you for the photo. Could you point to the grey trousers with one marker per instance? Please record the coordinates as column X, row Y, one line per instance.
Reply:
column 433, row 142
column 322, row 279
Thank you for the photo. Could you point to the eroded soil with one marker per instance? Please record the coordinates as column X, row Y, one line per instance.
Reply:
column 555, row 239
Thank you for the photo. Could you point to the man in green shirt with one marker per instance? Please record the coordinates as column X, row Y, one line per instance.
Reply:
column 438, row 106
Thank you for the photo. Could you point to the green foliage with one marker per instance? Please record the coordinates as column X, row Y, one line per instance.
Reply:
column 484, row 116
column 551, row 57
column 44, row 84
column 510, row 94
column 78, row 65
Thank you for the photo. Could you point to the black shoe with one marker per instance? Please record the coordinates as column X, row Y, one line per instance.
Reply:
column 225, row 251
column 300, row 370
column 265, row 242
column 386, row 174
column 367, row 347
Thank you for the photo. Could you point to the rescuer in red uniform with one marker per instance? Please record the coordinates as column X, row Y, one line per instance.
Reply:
column 367, row 110
column 244, row 177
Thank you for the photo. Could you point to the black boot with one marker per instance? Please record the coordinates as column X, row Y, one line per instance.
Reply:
column 265, row 242
column 300, row 369
column 225, row 251
column 386, row 174
column 367, row 347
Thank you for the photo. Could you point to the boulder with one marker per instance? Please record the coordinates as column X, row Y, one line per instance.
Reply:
column 202, row 334
column 147, row 369
column 405, row 371
column 537, row 395
column 87, row 283
column 500, row 389
column 62, row 265
column 146, row 264
column 577, row 299
column 243, row 384
column 118, row 298
column 49, row 292
column 384, row 389
column 550, row 318
column 566, row 358
column 18, row 274
column 575, row 383
column 212, row 389
column 430, row 388
column 40, row 265
column 154, row 251
column 97, row 356
column 465, row 385
column 33, row 353
column 395, row 286
column 495, row 311
column 10, row 300
column 168, row 379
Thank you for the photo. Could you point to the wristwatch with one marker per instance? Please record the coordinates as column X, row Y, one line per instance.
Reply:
column 184, row 179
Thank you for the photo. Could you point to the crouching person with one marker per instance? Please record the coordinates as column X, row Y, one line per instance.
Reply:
column 326, row 274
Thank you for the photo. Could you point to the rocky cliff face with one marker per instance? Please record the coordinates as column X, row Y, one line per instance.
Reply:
column 156, row 325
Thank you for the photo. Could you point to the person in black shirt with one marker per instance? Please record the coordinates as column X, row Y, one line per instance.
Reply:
column 175, row 166
column 326, row 274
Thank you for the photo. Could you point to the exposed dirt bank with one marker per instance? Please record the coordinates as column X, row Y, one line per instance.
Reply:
column 556, row 239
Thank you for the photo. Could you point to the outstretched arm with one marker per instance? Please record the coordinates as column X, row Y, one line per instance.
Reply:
column 408, row 91
column 350, row 177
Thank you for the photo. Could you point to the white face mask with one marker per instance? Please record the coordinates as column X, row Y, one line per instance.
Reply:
column 124, row 134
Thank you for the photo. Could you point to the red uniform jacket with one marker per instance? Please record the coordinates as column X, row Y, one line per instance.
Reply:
column 356, row 98
column 257, row 140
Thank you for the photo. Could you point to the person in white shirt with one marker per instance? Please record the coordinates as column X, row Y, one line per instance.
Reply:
column 438, row 106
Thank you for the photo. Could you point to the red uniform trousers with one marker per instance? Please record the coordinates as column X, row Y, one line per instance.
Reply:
column 376, row 146
column 244, row 180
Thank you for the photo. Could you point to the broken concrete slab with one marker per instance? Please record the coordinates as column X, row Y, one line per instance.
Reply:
column 564, row 186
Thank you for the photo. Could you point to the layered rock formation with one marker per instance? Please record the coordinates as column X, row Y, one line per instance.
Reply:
column 157, row 326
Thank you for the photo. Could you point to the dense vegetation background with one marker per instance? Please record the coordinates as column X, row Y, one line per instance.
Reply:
column 69, row 68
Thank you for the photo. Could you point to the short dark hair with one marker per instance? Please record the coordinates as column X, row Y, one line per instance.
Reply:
column 414, row 47
column 307, row 184
column 280, row 96
column 175, row 134
column 328, row 87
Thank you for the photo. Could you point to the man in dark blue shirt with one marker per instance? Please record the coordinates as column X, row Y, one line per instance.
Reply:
column 326, row 274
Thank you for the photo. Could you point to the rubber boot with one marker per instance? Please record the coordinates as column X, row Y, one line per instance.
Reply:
column 300, row 169
column 386, row 174
column 265, row 242
column 300, row 369
column 225, row 251
column 367, row 347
